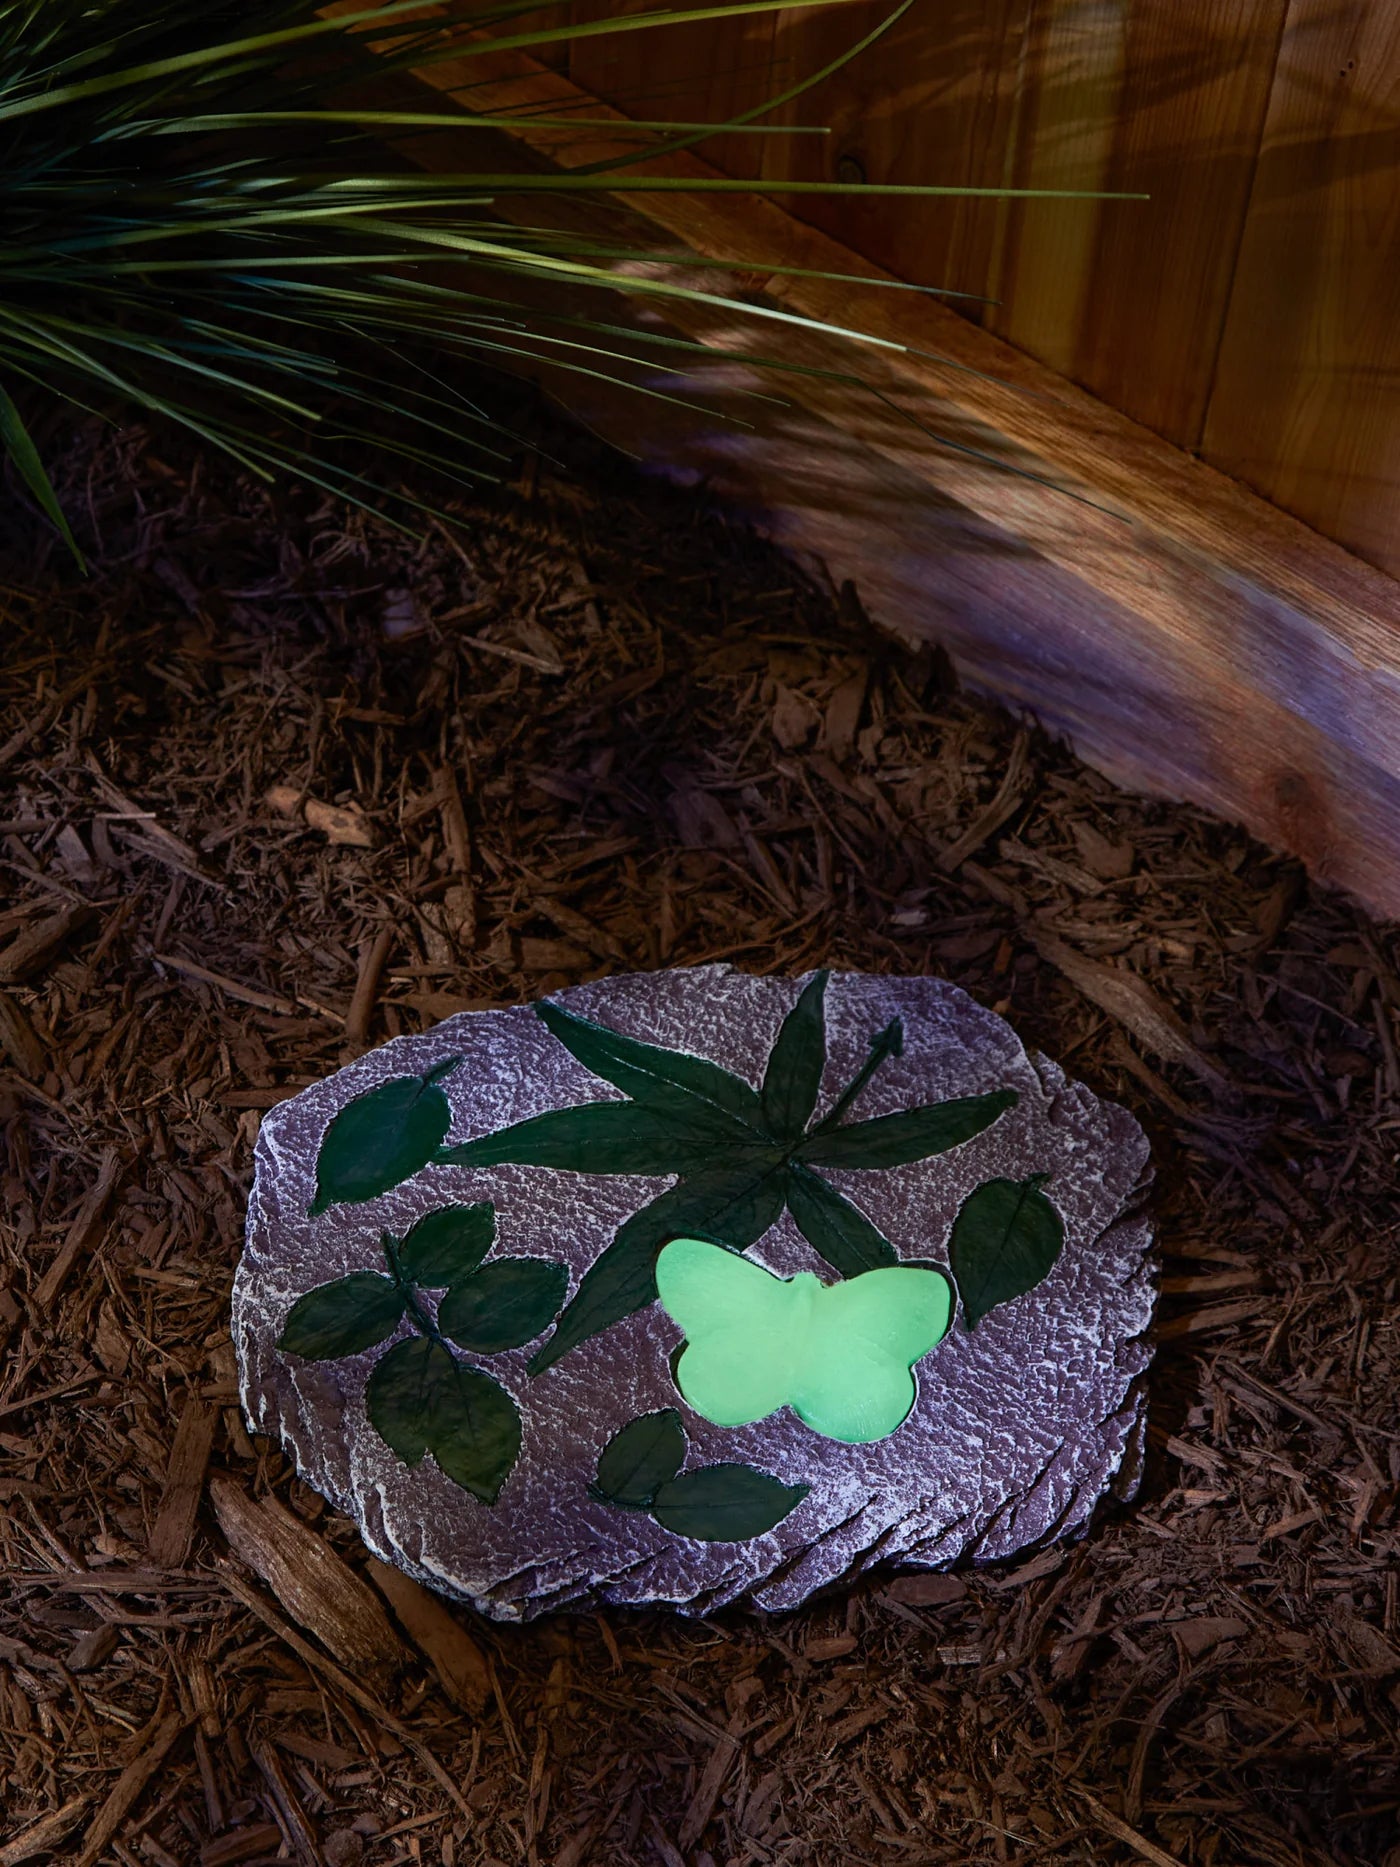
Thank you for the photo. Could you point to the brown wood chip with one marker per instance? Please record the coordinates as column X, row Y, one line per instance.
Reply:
column 82, row 1233
column 153, row 1746
column 318, row 1590
column 1121, row 1831
column 43, row 1836
column 173, row 1531
column 294, row 1819
column 458, row 1661
column 1002, row 808
column 702, row 1803
column 241, row 1844
column 29, row 952
column 1136, row 1005
column 926, row 1591
column 1204, row 1632
column 19, row 1040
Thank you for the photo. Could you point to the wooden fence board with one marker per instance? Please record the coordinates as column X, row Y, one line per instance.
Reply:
column 708, row 73
column 1307, row 403
column 930, row 101
column 1129, row 299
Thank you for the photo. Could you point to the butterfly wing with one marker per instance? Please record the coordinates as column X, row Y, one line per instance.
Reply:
column 855, row 1381
column 742, row 1340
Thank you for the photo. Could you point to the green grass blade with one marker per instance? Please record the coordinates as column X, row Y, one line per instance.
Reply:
column 203, row 56
column 22, row 451
column 453, row 120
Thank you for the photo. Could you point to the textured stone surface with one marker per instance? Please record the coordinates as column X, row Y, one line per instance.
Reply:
column 1018, row 1429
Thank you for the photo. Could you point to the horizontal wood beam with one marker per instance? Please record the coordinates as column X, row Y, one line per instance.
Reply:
column 1192, row 641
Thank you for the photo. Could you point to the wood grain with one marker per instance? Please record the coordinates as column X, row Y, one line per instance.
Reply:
column 459, row 1663
column 173, row 1531
column 44, row 1835
column 1192, row 641
column 1129, row 299
column 83, row 1233
column 1307, row 402
column 152, row 1746
column 930, row 101
column 933, row 101
column 316, row 1587
column 708, row 73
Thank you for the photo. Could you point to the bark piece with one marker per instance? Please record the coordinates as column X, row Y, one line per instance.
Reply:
column 83, row 1232
column 94, row 1648
column 456, row 1658
column 292, row 1816
column 19, row 1040
column 173, row 1531
column 43, row 1836
column 318, row 1590
column 155, row 1745
column 28, row 953
column 241, row 1844
column 1133, row 1003
column 345, row 824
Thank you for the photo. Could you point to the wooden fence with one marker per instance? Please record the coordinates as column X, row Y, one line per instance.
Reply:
column 1212, row 647
column 1248, row 313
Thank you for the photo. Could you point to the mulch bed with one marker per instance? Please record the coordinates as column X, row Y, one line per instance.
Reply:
column 278, row 782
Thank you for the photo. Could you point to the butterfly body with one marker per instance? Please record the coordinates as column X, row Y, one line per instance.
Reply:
column 840, row 1355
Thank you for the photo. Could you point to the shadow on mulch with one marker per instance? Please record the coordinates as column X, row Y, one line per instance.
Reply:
column 277, row 783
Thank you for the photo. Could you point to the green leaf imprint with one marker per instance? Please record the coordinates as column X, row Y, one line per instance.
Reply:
column 342, row 1318
column 796, row 1062
column 1005, row 1241
column 909, row 1135
column 649, row 1072
column 504, row 1305
column 730, row 1206
column 886, row 1043
column 477, row 1432
column 835, row 1228
column 637, row 1461
column 382, row 1137
column 602, row 1137
column 448, row 1244
column 399, row 1396
column 724, row 1503
column 420, row 1398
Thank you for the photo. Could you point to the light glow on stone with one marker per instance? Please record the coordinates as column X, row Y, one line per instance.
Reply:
column 840, row 1355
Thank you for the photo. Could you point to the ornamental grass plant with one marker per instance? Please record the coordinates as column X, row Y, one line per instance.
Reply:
column 198, row 224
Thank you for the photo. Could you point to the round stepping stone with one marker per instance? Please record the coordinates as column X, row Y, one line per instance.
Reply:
column 690, row 1287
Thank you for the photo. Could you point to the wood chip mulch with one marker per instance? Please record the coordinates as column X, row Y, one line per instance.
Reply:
column 278, row 782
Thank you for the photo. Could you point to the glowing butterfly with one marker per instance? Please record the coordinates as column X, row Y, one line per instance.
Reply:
column 840, row 1355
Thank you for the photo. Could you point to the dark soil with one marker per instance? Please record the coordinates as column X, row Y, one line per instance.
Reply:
column 277, row 782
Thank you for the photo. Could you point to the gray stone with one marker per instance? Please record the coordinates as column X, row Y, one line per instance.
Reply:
column 1019, row 1427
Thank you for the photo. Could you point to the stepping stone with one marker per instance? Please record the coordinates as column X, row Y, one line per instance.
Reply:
column 690, row 1288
